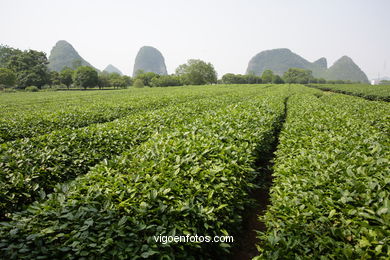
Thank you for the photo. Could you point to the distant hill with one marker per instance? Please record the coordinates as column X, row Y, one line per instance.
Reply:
column 277, row 60
column 112, row 69
column 64, row 55
column 149, row 59
column 345, row 69
column 322, row 63
column 280, row 60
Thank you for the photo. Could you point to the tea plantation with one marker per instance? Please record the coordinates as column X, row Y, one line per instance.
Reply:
column 98, row 174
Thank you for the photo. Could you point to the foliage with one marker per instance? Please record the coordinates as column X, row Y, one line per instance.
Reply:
column 146, row 77
column 330, row 193
column 103, row 80
column 67, row 110
column 191, row 178
column 7, row 77
column 128, row 80
column 165, row 81
column 54, row 78
column 66, row 76
column 138, row 83
column 267, row 76
column 85, row 77
column 70, row 152
column 30, row 68
column 276, row 79
column 296, row 75
column 28, row 172
column 321, row 81
column 197, row 72
column 376, row 92
column 6, row 53
column 231, row 78
column 32, row 89
column 118, row 81
column 183, row 160
column 251, row 79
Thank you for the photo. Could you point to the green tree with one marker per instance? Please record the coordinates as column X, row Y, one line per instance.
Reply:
column 267, row 76
column 229, row 78
column 321, row 81
column 297, row 75
column 54, row 78
column 166, row 80
column 251, row 79
column 30, row 68
column 276, row 79
column 117, row 80
column 66, row 76
column 197, row 72
column 313, row 80
column 6, row 53
column 146, row 77
column 128, row 80
column 7, row 77
column 103, row 80
column 340, row 81
column 85, row 77
column 138, row 83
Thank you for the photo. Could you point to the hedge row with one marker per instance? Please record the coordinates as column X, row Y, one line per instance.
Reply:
column 193, row 179
column 29, row 168
column 29, row 121
column 379, row 93
column 330, row 197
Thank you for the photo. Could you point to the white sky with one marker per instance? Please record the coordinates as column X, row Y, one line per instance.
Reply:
column 226, row 33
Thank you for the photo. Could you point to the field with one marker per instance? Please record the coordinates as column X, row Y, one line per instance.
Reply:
column 375, row 92
column 98, row 174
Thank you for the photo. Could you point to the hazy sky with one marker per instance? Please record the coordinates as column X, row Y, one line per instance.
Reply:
column 225, row 33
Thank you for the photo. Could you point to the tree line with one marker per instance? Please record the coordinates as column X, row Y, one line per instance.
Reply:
column 292, row 75
column 28, row 69
column 194, row 72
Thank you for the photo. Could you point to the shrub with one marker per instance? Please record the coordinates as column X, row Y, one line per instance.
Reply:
column 32, row 89
column 138, row 83
column 165, row 81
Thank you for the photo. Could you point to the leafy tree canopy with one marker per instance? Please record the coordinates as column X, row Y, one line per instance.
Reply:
column 197, row 72
column 231, row 78
column 54, row 78
column 7, row 77
column 166, row 80
column 66, row 76
column 6, row 53
column 296, row 75
column 267, row 76
column 138, row 83
column 85, row 77
column 146, row 77
column 30, row 68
